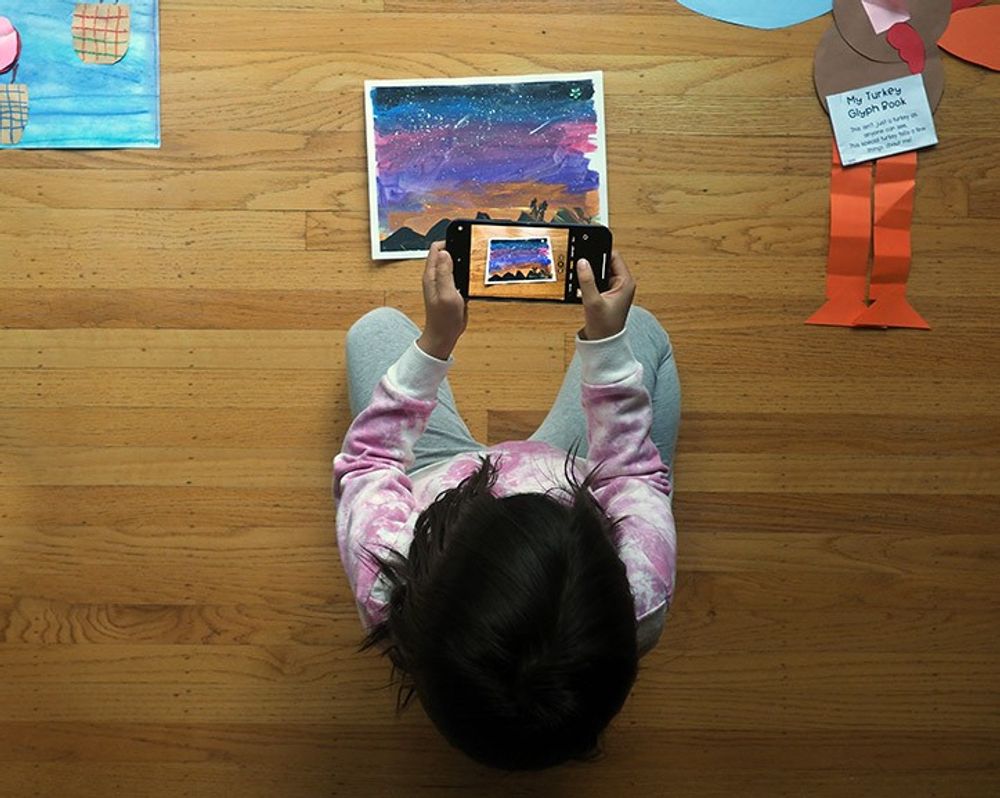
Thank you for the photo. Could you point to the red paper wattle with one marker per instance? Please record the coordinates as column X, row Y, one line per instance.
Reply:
column 907, row 42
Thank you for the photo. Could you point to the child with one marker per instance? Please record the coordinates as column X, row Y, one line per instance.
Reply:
column 513, row 588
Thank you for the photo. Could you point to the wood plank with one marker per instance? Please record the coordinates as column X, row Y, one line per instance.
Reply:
column 229, row 150
column 174, row 388
column 289, row 683
column 130, row 348
column 984, row 198
column 961, row 323
column 183, row 308
column 35, row 621
column 342, row 191
column 860, row 435
column 525, row 351
column 817, row 596
column 334, row 32
column 827, row 556
column 302, row 745
column 137, row 507
column 749, row 277
column 744, row 393
column 190, row 581
column 525, row 6
column 256, row 781
column 98, row 229
column 691, row 629
column 131, row 508
column 165, row 465
column 908, row 513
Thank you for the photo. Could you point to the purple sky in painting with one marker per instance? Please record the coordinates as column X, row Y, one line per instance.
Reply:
column 446, row 143
column 514, row 252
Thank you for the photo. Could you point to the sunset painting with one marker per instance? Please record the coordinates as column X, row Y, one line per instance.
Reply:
column 520, row 260
column 528, row 148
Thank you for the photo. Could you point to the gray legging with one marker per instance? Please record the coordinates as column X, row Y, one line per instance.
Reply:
column 379, row 337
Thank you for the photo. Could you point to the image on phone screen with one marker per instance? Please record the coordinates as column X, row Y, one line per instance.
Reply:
column 518, row 262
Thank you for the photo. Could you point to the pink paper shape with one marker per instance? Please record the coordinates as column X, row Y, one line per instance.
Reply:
column 10, row 45
column 883, row 14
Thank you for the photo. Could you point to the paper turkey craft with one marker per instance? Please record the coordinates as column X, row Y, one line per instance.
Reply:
column 13, row 96
column 873, row 41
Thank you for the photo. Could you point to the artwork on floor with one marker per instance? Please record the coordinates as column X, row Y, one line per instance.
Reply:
column 525, row 148
column 767, row 14
column 868, row 65
column 520, row 260
column 83, row 75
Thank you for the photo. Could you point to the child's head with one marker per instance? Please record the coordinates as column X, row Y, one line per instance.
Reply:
column 512, row 620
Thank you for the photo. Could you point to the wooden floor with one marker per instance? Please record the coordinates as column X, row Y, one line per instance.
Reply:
column 173, row 617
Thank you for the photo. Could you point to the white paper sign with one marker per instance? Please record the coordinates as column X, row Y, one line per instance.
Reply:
column 882, row 119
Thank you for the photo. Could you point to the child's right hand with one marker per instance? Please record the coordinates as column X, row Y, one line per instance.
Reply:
column 605, row 314
column 446, row 311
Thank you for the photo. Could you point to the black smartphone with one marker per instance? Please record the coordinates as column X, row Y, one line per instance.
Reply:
column 522, row 260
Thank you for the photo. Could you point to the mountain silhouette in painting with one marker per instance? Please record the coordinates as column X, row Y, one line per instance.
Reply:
column 521, row 276
column 406, row 239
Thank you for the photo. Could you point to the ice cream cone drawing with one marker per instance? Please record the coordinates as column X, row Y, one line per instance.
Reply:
column 101, row 31
column 13, row 96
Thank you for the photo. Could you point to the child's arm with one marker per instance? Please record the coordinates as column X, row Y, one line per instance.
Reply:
column 376, row 509
column 375, row 504
column 633, row 483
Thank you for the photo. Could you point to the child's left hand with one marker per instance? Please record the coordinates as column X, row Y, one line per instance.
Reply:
column 446, row 312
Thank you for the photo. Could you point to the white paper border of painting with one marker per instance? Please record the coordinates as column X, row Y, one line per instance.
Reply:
column 597, row 159
column 552, row 259
column 158, row 140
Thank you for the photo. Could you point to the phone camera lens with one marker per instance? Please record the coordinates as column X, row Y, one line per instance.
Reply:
column 586, row 236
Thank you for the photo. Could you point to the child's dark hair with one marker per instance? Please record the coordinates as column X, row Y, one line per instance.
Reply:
column 512, row 620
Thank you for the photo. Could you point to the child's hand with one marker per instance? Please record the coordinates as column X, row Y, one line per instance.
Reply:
column 605, row 313
column 446, row 312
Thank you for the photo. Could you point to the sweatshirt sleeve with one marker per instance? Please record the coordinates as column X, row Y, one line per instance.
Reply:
column 375, row 504
column 633, row 483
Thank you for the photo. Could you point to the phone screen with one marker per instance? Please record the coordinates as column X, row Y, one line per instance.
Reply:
column 518, row 262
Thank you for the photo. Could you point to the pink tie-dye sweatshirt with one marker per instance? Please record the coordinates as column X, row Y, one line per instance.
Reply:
column 378, row 503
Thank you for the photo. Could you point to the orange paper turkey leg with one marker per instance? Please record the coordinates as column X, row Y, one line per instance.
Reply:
column 895, row 180
column 850, row 244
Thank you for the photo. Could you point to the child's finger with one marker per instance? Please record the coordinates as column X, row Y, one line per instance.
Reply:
column 619, row 267
column 430, row 265
column 620, row 275
column 588, row 285
column 444, row 272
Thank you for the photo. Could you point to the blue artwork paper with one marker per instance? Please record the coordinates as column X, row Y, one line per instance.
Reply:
column 766, row 14
column 73, row 104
